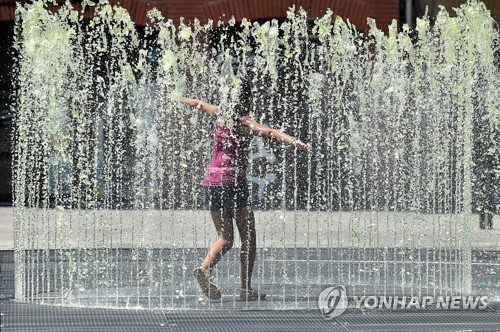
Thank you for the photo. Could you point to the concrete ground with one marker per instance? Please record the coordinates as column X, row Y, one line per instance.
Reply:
column 275, row 229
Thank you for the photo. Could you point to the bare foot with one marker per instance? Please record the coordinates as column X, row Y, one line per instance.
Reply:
column 250, row 294
column 207, row 285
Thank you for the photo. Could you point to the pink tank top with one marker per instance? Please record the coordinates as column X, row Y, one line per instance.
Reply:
column 230, row 159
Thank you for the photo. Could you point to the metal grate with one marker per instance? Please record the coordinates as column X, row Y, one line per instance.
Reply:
column 28, row 317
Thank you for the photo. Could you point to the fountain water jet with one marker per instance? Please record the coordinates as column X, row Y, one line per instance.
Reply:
column 109, row 169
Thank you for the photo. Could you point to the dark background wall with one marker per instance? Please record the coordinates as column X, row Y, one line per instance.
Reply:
column 384, row 11
column 6, row 37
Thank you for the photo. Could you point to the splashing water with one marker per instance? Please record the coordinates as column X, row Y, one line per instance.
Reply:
column 108, row 167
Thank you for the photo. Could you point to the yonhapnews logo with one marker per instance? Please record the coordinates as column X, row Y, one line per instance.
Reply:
column 333, row 302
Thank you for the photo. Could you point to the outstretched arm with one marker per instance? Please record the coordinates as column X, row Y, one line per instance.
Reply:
column 205, row 107
column 258, row 129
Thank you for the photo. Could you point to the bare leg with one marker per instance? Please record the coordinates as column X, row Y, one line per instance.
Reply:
column 223, row 222
column 245, row 221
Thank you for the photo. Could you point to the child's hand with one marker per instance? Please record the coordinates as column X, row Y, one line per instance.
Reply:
column 301, row 145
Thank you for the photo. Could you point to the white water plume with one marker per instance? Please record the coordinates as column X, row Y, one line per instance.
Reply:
column 109, row 164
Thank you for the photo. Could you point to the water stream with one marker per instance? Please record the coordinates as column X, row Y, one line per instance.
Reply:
column 109, row 164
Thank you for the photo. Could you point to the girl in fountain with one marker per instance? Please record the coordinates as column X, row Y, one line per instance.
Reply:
column 226, row 191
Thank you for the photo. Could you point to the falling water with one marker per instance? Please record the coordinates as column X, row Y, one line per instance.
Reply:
column 109, row 164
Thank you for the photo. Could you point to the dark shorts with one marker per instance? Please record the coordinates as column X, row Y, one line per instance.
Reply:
column 228, row 198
